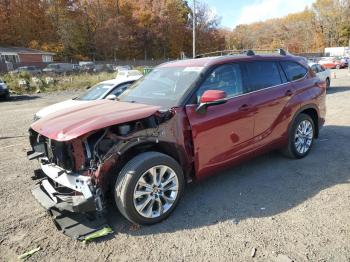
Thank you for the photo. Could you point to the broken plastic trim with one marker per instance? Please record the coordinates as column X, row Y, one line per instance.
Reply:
column 76, row 225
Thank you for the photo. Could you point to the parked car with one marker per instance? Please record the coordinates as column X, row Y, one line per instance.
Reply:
column 109, row 89
column 128, row 73
column 122, row 68
column 59, row 68
column 103, row 68
column 87, row 67
column 184, row 121
column 33, row 70
column 331, row 63
column 323, row 73
column 76, row 68
column 345, row 61
column 4, row 91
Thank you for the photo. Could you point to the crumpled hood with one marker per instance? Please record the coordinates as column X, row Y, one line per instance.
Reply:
column 67, row 124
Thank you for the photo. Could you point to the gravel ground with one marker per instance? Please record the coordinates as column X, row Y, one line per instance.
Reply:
column 277, row 208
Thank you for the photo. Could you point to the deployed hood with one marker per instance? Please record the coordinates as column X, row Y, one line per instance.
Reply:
column 58, row 106
column 65, row 125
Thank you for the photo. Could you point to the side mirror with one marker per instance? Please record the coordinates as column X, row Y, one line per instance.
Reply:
column 111, row 97
column 211, row 98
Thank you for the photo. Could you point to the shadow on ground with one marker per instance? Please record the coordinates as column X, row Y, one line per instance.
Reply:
column 263, row 187
column 337, row 89
column 20, row 98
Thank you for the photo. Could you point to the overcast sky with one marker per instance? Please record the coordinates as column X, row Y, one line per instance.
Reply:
column 236, row 12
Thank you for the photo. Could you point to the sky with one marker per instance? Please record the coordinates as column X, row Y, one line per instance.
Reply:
column 234, row 12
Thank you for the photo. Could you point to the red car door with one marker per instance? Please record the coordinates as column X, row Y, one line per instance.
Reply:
column 270, row 96
column 224, row 132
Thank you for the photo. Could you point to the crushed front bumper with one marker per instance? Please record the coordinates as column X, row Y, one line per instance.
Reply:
column 70, row 200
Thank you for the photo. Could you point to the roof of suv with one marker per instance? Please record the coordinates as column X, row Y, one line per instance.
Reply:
column 216, row 60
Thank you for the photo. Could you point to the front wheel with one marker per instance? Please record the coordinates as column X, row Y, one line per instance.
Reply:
column 148, row 188
column 301, row 137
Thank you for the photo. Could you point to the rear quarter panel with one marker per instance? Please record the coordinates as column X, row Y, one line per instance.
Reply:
column 311, row 93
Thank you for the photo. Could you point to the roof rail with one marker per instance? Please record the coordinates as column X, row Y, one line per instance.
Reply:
column 281, row 51
column 248, row 52
column 220, row 53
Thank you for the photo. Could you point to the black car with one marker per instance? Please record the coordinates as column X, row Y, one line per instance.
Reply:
column 4, row 91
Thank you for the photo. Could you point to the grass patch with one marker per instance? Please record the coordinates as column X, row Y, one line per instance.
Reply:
column 24, row 83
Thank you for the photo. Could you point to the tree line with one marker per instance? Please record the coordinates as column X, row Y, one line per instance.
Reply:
column 158, row 29
column 108, row 29
column 325, row 24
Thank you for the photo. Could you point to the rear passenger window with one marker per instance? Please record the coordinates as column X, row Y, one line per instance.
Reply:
column 293, row 70
column 262, row 74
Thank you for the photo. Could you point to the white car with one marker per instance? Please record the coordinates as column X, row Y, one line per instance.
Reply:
column 126, row 74
column 323, row 73
column 109, row 89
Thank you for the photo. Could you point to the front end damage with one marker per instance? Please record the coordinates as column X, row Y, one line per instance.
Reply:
column 67, row 193
column 77, row 174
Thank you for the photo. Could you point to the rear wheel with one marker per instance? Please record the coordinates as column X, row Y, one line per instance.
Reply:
column 149, row 187
column 301, row 137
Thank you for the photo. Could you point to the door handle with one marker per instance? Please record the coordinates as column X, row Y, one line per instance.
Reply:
column 244, row 107
column 289, row 92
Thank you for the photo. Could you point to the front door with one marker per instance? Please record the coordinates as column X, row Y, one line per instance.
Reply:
column 224, row 132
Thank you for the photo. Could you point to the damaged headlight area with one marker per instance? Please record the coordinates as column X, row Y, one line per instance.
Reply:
column 68, row 193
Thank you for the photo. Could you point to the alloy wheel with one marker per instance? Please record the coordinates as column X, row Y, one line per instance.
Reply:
column 156, row 191
column 303, row 136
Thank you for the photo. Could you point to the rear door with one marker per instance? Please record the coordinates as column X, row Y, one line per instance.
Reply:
column 270, row 94
column 225, row 131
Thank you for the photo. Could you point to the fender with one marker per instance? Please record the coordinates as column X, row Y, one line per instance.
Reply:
column 302, row 109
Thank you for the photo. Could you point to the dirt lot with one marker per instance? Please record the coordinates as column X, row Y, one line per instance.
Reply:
column 282, row 208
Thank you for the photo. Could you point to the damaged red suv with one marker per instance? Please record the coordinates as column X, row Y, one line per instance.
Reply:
column 184, row 121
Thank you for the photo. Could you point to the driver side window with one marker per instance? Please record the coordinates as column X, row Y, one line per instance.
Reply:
column 226, row 78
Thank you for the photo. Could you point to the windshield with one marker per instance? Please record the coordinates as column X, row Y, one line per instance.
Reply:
column 164, row 86
column 95, row 92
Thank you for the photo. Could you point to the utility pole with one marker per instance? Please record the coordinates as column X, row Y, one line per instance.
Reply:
column 194, row 28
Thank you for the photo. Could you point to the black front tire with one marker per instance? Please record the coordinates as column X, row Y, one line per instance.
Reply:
column 127, row 181
column 290, row 150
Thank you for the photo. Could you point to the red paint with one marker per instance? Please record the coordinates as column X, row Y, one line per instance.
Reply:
column 332, row 63
column 71, row 123
column 212, row 95
column 221, row 134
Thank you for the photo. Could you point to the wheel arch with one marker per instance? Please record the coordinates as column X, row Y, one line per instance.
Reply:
column 166, row 148
column 312, row 111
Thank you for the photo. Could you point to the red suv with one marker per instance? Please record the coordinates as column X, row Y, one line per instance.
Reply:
column 184, row 121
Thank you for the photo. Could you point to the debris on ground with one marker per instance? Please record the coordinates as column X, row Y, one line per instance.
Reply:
column 28, row 254
column 253, row 252
column 100, row 233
